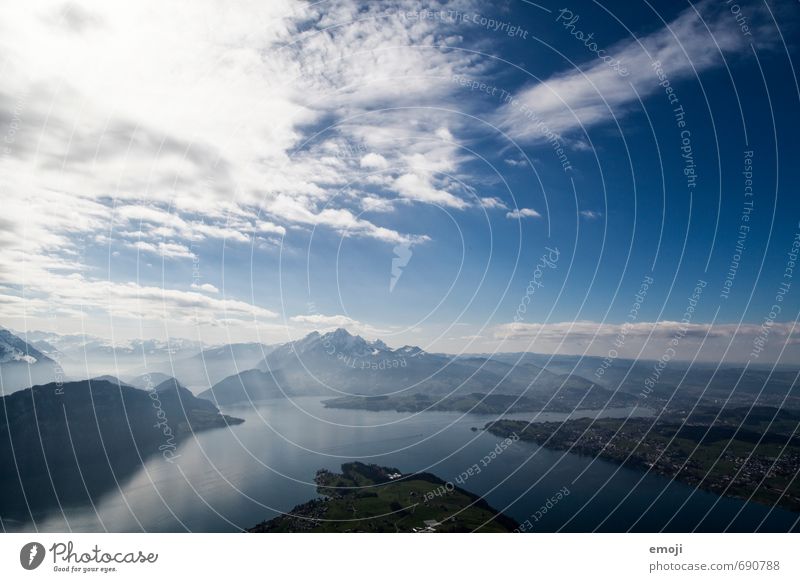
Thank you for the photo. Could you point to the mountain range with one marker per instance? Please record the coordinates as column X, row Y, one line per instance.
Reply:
column 43, row 357
column 357, row 373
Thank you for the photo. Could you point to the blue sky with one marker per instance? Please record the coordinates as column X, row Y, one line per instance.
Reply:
column 253, row 173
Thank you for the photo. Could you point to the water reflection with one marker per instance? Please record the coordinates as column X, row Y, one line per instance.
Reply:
column 229, row 479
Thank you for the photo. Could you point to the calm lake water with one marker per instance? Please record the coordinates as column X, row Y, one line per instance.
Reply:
column 229, row 479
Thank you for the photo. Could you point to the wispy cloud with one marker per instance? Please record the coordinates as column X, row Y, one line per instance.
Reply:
column 519, row 213
column 492, row 202
column 327, row 320
column 165, row 250
column 595, row 93
column 417, row 187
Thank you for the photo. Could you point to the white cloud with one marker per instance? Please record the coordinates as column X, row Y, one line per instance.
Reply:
column 375, row 204
column 373, row 161
column 519, row 213
column 444, row 134
column 594, row 93
column 165, row 250
column 340, row 219
column 189, row 129
column 207, row 287
column 419, row 188
column 493, row 202
column 591, row 214
column 176, row 113
column 76, row 294
column 269, row 227
column 327, row 320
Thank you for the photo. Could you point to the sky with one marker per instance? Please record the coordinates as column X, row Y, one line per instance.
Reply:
column 582, row 178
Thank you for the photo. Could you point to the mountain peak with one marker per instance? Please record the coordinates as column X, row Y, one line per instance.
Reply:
column 342, row 338
column 410, row 351
column 340, row 332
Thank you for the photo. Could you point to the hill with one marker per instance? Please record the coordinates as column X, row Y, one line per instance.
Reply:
column 64, row 444
column 370, row 498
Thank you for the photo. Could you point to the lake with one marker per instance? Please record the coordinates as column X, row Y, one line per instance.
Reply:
column 229, row 479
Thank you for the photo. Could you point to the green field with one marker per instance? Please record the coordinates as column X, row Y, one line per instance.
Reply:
column 369, row 498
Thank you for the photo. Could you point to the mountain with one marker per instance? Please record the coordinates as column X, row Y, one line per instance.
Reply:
column 347, row 367
column 21, row 364
column 207, row 367
column 324, row 364
column 339, row 345
column 249, row 385
column 111, row 379
column 149, row 380
column 195, row 366
column 69, row 443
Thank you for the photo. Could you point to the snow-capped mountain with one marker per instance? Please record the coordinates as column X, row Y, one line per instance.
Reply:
column 340, row 341
column 21, row 364
column 339, row 363
column 87, row 345
column 86, row 356
column 338, row 345
column 15, row 349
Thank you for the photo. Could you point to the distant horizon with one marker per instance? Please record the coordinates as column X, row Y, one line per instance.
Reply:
column 201, row 346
